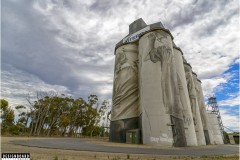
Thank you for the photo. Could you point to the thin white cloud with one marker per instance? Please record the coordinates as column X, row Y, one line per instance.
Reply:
column 230, row 121
column 233, row 101
column 209, row 85
column 17, row 85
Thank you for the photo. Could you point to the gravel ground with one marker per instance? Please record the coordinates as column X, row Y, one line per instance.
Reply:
column 60, row 154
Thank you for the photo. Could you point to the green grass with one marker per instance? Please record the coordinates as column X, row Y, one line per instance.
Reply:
column 55, row 158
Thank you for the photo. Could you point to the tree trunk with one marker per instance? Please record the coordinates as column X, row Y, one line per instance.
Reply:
column 42, row 120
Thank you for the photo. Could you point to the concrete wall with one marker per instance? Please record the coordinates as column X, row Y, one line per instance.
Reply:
column 215, row 129
column 184, row 97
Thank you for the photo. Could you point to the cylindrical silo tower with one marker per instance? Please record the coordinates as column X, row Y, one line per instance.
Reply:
column 215, row 128
column 125, row 101
column 184, row 97
column 154, row 96
column 215, row 120
column 199, row 126
column 204, row 117
column 161, row 112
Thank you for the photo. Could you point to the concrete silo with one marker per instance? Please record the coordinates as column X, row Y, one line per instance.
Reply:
column 161, row 111
column 215, row 120
column 194, row 105
column 125, row 111
column 204, row 117
column 215, row 128
column 184, row 97
column 194, row 101
column 155, row 93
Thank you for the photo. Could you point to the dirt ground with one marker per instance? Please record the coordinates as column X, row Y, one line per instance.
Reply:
column 59, row 154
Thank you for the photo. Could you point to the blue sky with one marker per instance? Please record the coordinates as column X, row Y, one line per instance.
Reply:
column 231, row 88
column 67, row 46
column 228, row 95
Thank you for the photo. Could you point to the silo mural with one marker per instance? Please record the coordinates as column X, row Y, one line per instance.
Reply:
column 157, row 100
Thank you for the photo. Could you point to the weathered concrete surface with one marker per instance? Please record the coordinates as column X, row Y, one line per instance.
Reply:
column 204, row 117
column 86, row 145
column 184, row 97
column 119, row 128
column 200, row 134
column 125, row 101
column 217, row 136
column 194, row 104
column 156, row 129
column 159, row 93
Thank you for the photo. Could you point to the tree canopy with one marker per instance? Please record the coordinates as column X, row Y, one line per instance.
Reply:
column 7, row 117
column 54, row 115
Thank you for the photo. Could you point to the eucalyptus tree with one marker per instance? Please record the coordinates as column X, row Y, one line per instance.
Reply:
column 23, row 118
column 7, row 117
column 62, row 115
column 94, row 114
column 57, row 107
